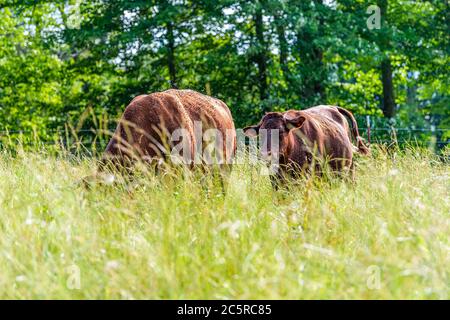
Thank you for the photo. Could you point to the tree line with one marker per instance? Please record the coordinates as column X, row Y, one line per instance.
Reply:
column 63, row 58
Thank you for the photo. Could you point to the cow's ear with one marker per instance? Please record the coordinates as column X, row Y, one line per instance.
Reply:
column 251, row 131
column 295, row 120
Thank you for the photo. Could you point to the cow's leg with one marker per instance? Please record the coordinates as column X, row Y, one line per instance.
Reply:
column 352, row 171
column 224, row 176
column 275, row 181
column 279, row 178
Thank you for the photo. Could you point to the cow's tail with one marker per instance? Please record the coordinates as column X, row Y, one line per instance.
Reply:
column 362, row 148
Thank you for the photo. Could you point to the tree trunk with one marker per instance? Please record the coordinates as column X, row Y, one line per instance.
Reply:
column 388, row 89
column 386, row 69
column 171, row 55
column 319, row 81
column 312, row 67
column 261, row 58
column 283, row 47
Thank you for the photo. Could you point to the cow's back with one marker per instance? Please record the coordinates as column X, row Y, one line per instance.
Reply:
column 327, row 132
column 328, row 112
column 211, row 113
column 149, row 121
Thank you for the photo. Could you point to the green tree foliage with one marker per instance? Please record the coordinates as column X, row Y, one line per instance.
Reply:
column 62, row 59
column 30, row 74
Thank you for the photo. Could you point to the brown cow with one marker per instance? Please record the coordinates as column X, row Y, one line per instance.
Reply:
column 161, row 124
column 308, row 137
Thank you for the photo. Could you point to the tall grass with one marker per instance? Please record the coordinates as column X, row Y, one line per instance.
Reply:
column 177, row 235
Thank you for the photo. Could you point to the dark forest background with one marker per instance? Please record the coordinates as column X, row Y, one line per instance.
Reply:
column 77, row 61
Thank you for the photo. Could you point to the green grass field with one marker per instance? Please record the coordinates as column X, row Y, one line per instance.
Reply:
column 176, row 236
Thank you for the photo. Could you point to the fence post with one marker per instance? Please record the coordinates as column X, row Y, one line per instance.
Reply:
column 368, row 128
column 393, row 132
column 433, row 139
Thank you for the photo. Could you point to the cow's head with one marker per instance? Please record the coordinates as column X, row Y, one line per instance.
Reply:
column 273, row 131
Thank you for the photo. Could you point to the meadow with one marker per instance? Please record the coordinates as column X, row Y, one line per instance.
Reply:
column 175, row 235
